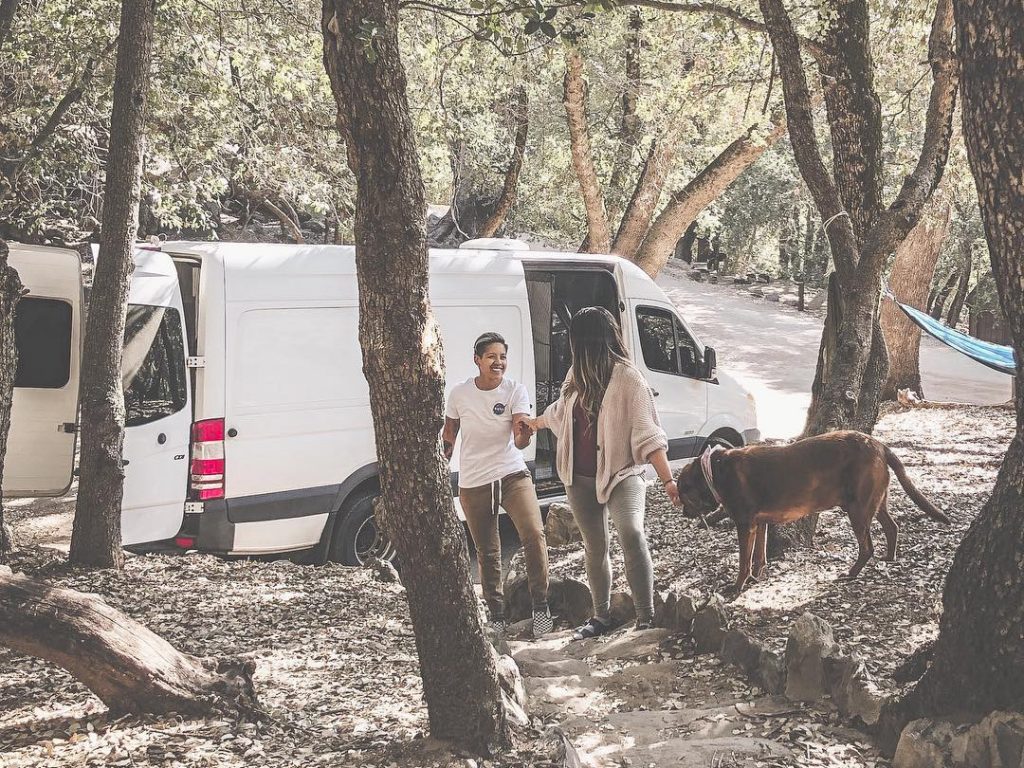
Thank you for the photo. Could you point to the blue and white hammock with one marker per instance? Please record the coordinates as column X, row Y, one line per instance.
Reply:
column 995, row 356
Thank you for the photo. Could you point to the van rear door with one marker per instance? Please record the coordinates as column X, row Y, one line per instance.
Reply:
column 48, row 333
column 158, row 413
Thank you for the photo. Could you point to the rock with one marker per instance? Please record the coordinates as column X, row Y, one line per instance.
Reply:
column 560, row 527
column 497, row 640
column 995, row 742
column 853, row 691
column 771, row 672
column 622, row 609
column 539, row 662
column 520, row 630
column 710, row 626
column 742, row 651
column 789, row 299
column 568, row 598
column 772, row 296
column 513, row 690
column 925, row 744
column 383, row 570
column 664, row 606
column 633, row 645
column 810, row 639
column 756, row 291
column 675, row 613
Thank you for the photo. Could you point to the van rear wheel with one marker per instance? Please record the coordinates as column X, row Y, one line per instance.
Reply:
column 357, row 537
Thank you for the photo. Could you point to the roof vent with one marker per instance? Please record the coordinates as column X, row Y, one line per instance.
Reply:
column 495, row 244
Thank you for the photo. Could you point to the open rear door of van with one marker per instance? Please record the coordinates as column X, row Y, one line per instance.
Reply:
column 48, row 333
column 158, row 403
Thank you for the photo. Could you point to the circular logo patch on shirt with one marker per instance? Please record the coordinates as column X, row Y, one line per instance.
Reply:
column 499, row 408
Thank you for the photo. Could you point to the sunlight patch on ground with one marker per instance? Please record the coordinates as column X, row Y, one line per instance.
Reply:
column 788, row 592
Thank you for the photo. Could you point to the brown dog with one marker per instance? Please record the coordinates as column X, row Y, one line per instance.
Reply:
column 764, row 484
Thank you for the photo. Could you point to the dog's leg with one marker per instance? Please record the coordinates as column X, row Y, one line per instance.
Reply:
column 760, row 550
column 861, row 522
column 746, row 535
column 890, row 528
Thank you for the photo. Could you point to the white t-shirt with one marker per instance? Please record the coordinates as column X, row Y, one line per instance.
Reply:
column 488, row 451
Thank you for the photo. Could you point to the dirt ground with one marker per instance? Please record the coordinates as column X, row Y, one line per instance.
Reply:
column 336, row 664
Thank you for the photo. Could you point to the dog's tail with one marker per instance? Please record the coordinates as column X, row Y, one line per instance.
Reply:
column 901, row 474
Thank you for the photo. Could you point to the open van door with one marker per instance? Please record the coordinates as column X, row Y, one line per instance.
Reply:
column 158, row 412
column 48, row 334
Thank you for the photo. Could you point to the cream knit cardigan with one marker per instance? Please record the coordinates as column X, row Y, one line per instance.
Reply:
column 628, row 430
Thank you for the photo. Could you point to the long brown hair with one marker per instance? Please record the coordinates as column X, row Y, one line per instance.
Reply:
column 597, row 346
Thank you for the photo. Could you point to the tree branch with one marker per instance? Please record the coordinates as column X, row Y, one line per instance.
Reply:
column 716, row 9
column 629, row 122
column 905, row 211
column 646, row 194
column 575, row 100
column 802, row 137
column 521, row 115
column 7, row 10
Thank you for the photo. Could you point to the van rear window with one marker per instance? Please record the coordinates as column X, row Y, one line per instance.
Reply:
column 42, row 333
column 153, row 365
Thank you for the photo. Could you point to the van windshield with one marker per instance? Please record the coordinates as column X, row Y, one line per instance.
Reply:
column 153, row 364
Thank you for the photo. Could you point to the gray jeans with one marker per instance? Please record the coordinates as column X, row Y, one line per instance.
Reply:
column 626, row 509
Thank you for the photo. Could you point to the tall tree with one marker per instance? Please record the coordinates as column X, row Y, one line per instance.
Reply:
column 10, row 291
column 503, row 205
column 979, row 654
column 861, row 229
column 96, row 535
column 911, row 275
column 404, row 367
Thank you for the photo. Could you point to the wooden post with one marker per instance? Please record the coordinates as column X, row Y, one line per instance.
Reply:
column 800, row 295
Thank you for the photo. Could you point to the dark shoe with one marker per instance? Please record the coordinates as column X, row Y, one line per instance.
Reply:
column 542, row 622
column 595, row 627
column 498, row 625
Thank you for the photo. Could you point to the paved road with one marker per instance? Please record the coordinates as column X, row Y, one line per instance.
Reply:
column 773, row 350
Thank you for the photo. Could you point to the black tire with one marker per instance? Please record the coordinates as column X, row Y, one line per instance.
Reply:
column 722, row 441
column 356, row 535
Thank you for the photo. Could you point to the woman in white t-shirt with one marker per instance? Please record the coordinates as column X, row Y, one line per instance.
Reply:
column 493, row 412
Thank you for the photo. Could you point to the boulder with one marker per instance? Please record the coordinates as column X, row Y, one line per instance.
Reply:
column 568, row 598
column 810, row 640
column 741, row 650
column 771, row 672
column 853, row 691
column 925, row 744
column 622, row 609
column 710, row 625
column 995, row 742
column 675, row 613
column 664, row 605
column 497, row 639
column 560, row 527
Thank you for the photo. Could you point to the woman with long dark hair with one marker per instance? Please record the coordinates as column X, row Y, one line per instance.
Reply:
column 607, row 429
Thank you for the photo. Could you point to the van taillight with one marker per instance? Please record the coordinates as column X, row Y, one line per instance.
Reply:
column 208, row 459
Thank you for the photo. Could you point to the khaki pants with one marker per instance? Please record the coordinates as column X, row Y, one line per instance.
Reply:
column 516, row 495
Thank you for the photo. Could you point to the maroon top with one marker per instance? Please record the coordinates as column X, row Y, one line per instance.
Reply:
column 584, row 442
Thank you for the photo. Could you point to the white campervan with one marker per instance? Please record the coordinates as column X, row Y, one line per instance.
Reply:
column 248, row 424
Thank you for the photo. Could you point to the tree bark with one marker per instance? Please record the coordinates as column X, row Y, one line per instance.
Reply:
column 911, row 275
column 686, row 204
column 404, row 367
column 640, row 211
column 11, row 291
column 966, row 267
column 942, row 295
column 521, row 118
column 128, row 667
column 979, row 654
column 575, row 100
column 8, row 8
column 96, row 534
column 629, row 122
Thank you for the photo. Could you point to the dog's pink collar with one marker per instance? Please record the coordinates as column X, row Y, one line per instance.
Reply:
column 705, row 468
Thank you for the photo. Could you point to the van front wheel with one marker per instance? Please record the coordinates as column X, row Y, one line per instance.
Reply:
column 357, row 537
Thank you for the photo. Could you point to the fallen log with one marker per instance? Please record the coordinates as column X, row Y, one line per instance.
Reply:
column 130, row 668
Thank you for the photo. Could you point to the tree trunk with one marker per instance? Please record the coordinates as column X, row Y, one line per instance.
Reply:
column 521, row 117
column 911, row 275
column 7, row 10
column 967, row 251
column 128, row 667
column 404, row 367
column 629, row 123
column 96, row 535
column 575, row 101
column 640, row 210
column 11, row 291
column 685, row 247
column 939, row 303
column 979, row 654
column 686, row 204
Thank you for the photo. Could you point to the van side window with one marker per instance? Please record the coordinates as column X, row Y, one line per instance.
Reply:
column 665, row 344
column 42, row 335
column 153, row 365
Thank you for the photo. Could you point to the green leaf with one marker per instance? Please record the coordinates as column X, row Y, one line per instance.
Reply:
column 548, row 29
column 551, row 13
column 532, row 26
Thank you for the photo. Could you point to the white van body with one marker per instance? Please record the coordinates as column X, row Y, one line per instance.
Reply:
column 244, row 385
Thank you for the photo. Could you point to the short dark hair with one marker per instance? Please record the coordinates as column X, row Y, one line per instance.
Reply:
column 484, row 340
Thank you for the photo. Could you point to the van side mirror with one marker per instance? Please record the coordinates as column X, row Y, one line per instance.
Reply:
column 710, row 363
